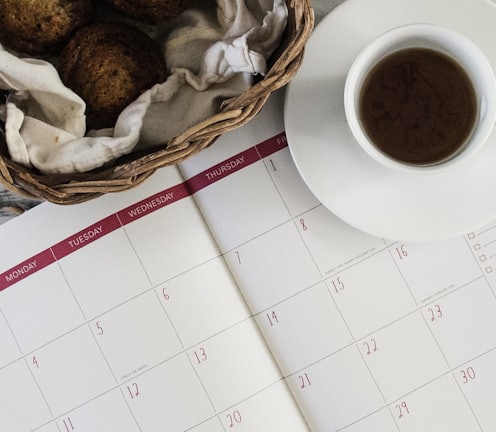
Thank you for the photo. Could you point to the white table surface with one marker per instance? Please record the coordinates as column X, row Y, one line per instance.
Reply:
column 12, row 204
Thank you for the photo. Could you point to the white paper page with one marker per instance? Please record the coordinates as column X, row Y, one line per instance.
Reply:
column 121, row 315
column 371, row 335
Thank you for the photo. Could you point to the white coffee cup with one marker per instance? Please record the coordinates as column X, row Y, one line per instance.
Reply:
column 455, row 45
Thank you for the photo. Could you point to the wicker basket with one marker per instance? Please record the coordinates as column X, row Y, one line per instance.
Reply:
column 132, row 169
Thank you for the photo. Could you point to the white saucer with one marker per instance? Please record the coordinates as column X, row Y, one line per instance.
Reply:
column 392, row 205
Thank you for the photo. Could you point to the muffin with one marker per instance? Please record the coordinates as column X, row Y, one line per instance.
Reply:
column 39, row 27
column 151, row 10
column 109, row 64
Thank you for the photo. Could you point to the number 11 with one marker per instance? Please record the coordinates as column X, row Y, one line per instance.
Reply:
column 68, row 424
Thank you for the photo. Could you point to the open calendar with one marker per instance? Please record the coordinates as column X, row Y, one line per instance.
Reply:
column 220, row 296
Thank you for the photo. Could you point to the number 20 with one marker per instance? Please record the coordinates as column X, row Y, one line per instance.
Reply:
column 304, row 380
column 234, row 418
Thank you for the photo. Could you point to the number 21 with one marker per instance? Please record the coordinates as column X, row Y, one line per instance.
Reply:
column 304, row 380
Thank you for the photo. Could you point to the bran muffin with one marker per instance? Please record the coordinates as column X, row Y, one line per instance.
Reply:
column 151, row 10
column 109, row 64
column 38, row 27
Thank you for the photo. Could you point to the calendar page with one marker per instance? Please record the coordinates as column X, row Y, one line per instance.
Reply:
column 120, row 315
column 223, row 296
column 370, row 334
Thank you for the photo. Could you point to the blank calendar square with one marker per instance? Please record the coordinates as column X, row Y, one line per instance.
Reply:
column 294, row 191
column 99, row 279
column 336, row 391
column 304, row 329
column 34, row 325
column 460, row 320
column 10, row 351
column 71, row 370
column 403, row 356
column 169, row 397
column 243, row 207
column 165, row 251
column 202, row 302
column 126, row 335
column 334, row 245
column 233, row 374
column 19, row 390
column 266, row 411
column 274, row 266
column 429, row 269
column 366, row 292
column 438, row 406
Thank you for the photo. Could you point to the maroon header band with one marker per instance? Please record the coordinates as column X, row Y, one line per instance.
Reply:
column 141, row 209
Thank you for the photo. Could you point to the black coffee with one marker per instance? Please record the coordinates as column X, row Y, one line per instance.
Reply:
column 418, row 106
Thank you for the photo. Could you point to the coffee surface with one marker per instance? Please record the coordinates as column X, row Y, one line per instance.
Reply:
column 418, row 106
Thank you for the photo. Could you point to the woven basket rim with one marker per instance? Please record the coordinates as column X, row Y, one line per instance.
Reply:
column 133, row 169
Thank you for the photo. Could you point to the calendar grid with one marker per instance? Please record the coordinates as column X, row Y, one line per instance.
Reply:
column 389, row 404
column 416, row 311
column 416, row 293
column 88, row 321
column 379, row 327
column 368, row 335
column 120, row 386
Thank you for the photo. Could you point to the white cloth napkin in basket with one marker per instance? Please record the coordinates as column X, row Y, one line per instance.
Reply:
column 211, row 56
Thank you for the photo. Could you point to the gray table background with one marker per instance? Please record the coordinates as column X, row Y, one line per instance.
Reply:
column 12, row 204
